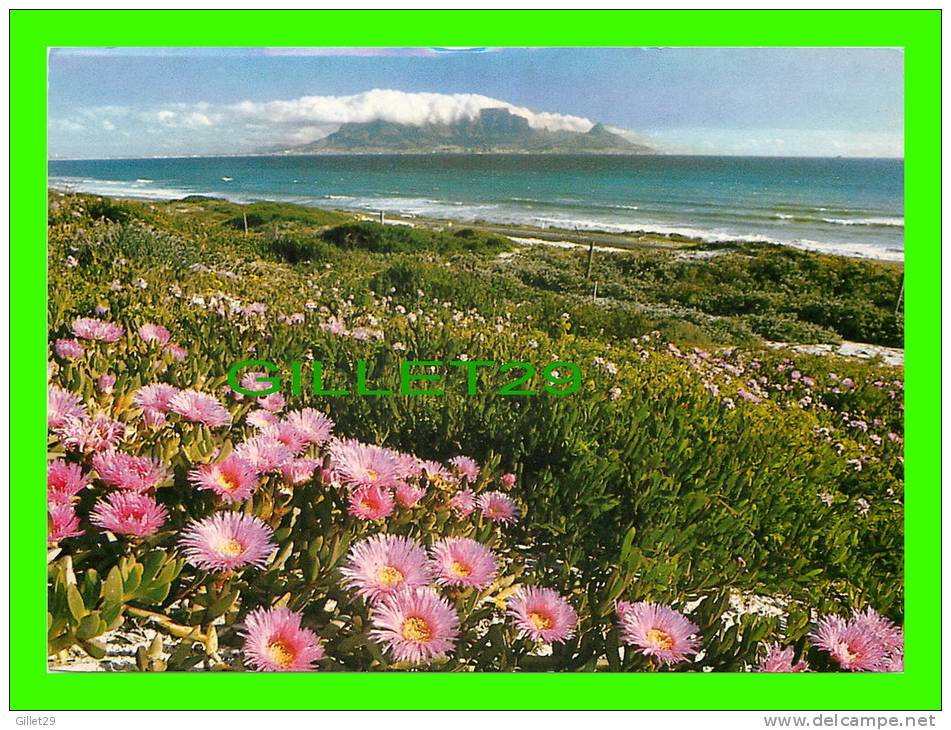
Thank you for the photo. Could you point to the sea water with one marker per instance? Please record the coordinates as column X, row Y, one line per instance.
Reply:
column 849, row 206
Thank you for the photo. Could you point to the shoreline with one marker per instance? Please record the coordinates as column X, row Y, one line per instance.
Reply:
column 524, row 234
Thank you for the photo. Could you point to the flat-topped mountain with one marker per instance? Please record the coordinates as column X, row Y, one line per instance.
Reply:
column 494, row 131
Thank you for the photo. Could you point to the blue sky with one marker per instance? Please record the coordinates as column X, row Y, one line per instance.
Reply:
column 808, row 101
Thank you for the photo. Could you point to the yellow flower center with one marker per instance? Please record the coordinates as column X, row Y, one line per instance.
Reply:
column 388, row 575
column 280, row 653
column 460, row 570
column 660, row 639
column 226, row 483
column 415, row 629
column 373, row 475
column 231, row 548
column 540, row 621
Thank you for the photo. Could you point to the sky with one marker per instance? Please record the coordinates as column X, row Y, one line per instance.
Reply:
column 134, row 102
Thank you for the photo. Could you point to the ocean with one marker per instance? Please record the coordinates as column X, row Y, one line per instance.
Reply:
column 852, row 207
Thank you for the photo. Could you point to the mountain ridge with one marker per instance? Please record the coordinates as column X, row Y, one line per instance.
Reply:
column 494, row 131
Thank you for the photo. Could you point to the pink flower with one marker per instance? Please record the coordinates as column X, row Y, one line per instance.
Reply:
column 227, row 541
column 200, row 408
column 408, row 495
column 69, row 349
column 299, row 471
column 463, row 502
column 61, row 405
column 177, row 352
column 371, row 502
column 97, row 329
column 92, row 434
column 153, row 418
column 407, row 465
column 416, row 625
column 779, row 659
column 542, row 615
column 657, row 631
column 124, row 471
column 105, row 383
column 129, row 513
column 435, row 472
column 261, row 419
column 256, row 381
column 233, row 479
column 867, row 642
column 508, row 480
column 64, row 481
column 154, row 333
column 498, row 507
column 463, row 562
column 315, row 426
column 276, row 642
column 274, row 402
column 357, row 464
column 63, row 522
column 380, row 565
column 465, row 467
column 155, row 397
column 288, row 435
column 264, row 453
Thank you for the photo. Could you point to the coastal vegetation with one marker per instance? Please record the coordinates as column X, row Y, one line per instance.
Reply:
column 702, row 502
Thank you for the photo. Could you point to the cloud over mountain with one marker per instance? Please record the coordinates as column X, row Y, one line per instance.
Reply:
column 248, row 125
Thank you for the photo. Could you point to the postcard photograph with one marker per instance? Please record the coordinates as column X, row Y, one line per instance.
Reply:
column 475, row 359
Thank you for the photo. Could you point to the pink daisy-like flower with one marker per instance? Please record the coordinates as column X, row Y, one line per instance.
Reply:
column 97, row 329
column 261, row 419
column 463, row 502
column 416, row 625
column 92, row 434
column 882, row 628
column 155, row 397
column 69, row 349
column 463, row 562
column 781, row 660
column 129, row 513
column 508, row 480
column 371, row 502
column 62, row 523
column 542, row 615
column 227, row 541
column 274, row 402
column 465, row 467
column 435, row 472
column 153, row 418
column 408, row 495
column 177, row 352
column 657, row 631
column 498, row 507
column 855, row 647
column 382, row 564
column 233, row 479
column 288, row 435
column 299, row 471
column 124, row 471
column 315, row 426
column 407, row 465
column 105, row 383
column 358, row 464
column 264, row 453
column 198, row 407
column 276, row 642
column 64, row 481
column 154, row 333
column 256, row 381
column 60, row 405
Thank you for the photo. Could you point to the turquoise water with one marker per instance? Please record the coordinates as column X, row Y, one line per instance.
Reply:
column 848, row 206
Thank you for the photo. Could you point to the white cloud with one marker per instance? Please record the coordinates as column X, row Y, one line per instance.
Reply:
column 401, row 107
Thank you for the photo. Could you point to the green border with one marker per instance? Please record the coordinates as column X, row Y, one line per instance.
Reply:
column 918, row 32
